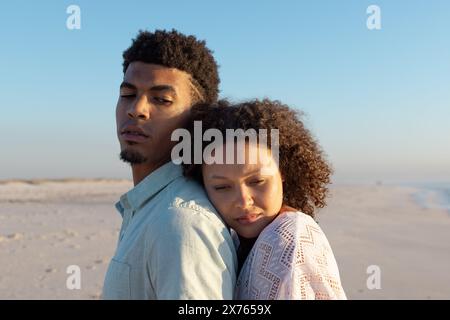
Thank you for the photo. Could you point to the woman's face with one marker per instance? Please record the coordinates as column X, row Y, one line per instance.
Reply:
column 248, row 196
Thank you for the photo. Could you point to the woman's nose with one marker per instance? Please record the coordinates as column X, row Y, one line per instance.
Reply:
column 244, row 198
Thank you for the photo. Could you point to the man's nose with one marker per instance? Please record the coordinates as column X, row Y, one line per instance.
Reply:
column 140, row 108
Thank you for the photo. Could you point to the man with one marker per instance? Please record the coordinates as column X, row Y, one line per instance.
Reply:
column 172, row 244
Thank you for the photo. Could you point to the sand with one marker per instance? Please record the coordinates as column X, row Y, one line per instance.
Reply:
column 47, row 226
column 383, row 226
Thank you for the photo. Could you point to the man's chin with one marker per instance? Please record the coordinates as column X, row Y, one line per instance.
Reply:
column 132, row 156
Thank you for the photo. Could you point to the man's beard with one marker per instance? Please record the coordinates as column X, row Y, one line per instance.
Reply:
column 132, row 157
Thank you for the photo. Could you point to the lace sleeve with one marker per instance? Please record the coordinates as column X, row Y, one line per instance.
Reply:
column 292, row 260
column 315, row 273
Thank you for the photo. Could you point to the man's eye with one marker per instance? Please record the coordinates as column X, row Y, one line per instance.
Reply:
column 162, row 100
column 128, row 95
column 257, row 182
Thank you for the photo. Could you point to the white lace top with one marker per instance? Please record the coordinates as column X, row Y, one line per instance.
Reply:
column 291, row 259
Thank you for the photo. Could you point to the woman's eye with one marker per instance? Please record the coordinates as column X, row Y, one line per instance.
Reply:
column 219, row 188
column 257, row 182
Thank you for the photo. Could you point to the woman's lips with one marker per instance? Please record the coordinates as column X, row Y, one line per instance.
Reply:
column 248, row 218
column 134, row 137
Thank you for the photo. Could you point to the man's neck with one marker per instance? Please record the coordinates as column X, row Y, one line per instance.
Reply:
column 140, row 171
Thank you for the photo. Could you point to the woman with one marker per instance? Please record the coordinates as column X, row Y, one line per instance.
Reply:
column 270, row 201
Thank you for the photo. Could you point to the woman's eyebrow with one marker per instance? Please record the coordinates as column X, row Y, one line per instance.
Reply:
column 257, row 171
column 217, row 177
column 250, row 173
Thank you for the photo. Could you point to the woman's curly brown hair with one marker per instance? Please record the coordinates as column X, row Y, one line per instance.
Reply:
column 305, row 171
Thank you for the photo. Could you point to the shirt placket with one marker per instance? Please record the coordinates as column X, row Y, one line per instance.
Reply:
column 127, row 216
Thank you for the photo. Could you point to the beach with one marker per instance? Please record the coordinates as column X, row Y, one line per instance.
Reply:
column 384, row 226
column 47, row 226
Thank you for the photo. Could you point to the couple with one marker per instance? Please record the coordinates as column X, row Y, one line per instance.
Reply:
column 209, row 230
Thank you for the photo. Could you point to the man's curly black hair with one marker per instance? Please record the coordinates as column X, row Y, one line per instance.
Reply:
column 305, row 171
column 175, row 50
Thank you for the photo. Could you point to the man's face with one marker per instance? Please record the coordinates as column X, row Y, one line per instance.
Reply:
column 154, row 100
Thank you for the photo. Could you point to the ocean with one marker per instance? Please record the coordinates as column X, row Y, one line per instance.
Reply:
column 433, row 195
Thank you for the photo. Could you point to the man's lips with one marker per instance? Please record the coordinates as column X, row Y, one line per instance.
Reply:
column 133, row 137
column 134, row 134
column 249, row 218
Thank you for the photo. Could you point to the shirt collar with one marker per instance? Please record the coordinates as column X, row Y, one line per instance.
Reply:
column 149, row 186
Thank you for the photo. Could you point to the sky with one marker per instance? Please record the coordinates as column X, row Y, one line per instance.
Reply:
column 378, row 101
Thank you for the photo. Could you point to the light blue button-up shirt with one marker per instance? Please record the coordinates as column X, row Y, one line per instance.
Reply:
column 172, row 243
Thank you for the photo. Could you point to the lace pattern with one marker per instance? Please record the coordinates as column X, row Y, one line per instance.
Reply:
column 291, row 260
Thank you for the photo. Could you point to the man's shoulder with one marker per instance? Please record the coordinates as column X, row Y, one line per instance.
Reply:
column 186, row 224
column 187, row 205
column 188, row 193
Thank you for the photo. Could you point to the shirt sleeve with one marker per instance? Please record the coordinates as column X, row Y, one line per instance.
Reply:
column 192, row 257
column 314, row 273
column 294, row 261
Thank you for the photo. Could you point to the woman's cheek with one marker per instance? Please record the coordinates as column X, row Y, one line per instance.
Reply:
column 276, row 194
column 222, row 203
